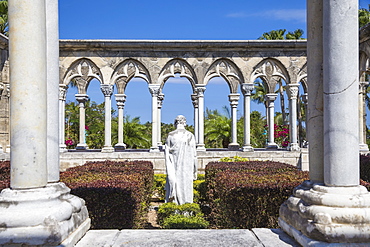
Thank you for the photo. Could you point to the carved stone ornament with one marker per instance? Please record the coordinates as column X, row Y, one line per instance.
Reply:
column 292, row 91
column 247, row 88
column 160, row 98
column 62, row 92
column 154, row 90
column 194, row 99
column 120, row 99
column 1, row 89
column 107, row 90
column 200, row 91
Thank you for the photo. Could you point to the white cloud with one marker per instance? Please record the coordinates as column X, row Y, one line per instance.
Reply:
column 276, row 14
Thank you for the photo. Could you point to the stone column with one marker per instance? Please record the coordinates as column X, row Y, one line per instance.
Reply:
column 2, row 86
column 200, row 93
column 336, row 212
column 33, row 212
column 120, row 99
column 154, row 91
column 292, row 94
column 82, row 98
column 247, row 89
column 270, row 98
column 107, row 90
column 159, row 131
column 234, row 98
column 52, row 75
column 194, row 99
column 315, row 108
column 362, row 117
column 62, row 111
column 305, row 102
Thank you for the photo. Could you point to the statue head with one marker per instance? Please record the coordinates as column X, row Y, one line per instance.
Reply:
column 180, row 119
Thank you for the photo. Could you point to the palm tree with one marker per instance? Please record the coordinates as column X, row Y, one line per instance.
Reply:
column 217, row 128
column 274, row 35
column 297, row 34
column 4, row 17
column 135, row 133
column 363, row 17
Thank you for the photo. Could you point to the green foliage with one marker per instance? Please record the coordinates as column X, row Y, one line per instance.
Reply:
column 4, row 27
column 217, row 128
column 249, row 194
column 363, row 17
column 234, row 159
column 280, row 35
column 136, row 135
column 199, row 189
column 117, row 194
column 158, row 186
column 186, row 216
column 184, row 222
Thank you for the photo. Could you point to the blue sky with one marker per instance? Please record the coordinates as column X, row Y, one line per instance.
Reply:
column 184, row 20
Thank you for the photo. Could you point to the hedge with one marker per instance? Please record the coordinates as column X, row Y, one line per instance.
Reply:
column 4, row 174
column 249, row 194
column 117, row 194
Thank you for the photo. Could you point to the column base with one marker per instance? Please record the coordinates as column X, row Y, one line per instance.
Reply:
column 317, row 215
column 154, row 150
column 119, row 147
column 248, row 148
column 81, row 146
column 109, row 149
column 294, row 147
column 201, row 148
column 364, row 147
column 45, row 216
column 233, row 147
column 63, row 148
column 272, row 145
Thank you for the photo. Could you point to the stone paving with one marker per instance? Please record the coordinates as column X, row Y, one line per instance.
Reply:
column 259, row 237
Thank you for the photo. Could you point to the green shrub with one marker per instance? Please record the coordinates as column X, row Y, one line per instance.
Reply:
column 178, row 221
column 117, row 194
column 234, row 159
column 185, row 216
column 158, row 186
column 249, row 194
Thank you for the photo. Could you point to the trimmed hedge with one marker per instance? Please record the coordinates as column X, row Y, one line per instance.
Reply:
column 117, row 194
column 4, row 174
column 249, row 194
column 365, row 167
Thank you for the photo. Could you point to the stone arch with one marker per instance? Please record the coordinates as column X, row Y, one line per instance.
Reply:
column 81, row 72
column 270, row 71
column 302, row 77
column 127, row 70
column 364, row 65
column 178, row 66
column 226, row 69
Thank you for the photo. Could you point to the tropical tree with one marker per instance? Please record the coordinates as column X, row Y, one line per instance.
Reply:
column 4, row 17
column 363, row 17
column 296, row 34
column 274, row 35
column 217, row 128
column 136, row 134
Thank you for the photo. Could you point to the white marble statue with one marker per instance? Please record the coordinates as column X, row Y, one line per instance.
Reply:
column 181, row 163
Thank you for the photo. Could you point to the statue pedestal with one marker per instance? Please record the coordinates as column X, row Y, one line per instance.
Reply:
column 318, row 215
column 44, row 216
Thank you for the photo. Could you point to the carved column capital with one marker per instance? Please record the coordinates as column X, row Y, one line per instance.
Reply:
column 234, row 99
column 82, row 98
column 106, row 89
column 270, row 97
column 292, row 91
column 305, row 98
column 195, row 101
column 200, row 91
column 62, row 92
column 154, row 89
column 120, row 99
column 363, row 85
column 247, row 88
column 7, row 92
column 160, row 98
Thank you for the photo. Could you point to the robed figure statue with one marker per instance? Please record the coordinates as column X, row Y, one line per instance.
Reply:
column 181, row 163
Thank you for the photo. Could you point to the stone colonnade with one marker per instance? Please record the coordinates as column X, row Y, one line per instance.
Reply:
column 37, row 210
column 331, row 209
column 82, row 61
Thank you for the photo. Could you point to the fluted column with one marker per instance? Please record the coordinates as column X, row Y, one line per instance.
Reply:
column 292, row 94
column 82, row 98
column 154, row 91
column 234, row 99
column 159, row 131
column 194, row 99
column 120, row 99
column 362, row 117
column 247, row 89
column 200, row 93
column 270, row 98
column 107, row 90
column 62, row 112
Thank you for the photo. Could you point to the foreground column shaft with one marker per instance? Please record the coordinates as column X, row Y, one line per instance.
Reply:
column 341, row 93
column 52, row 90
column 247, row 89
column 27, row 48
column 315, row 108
